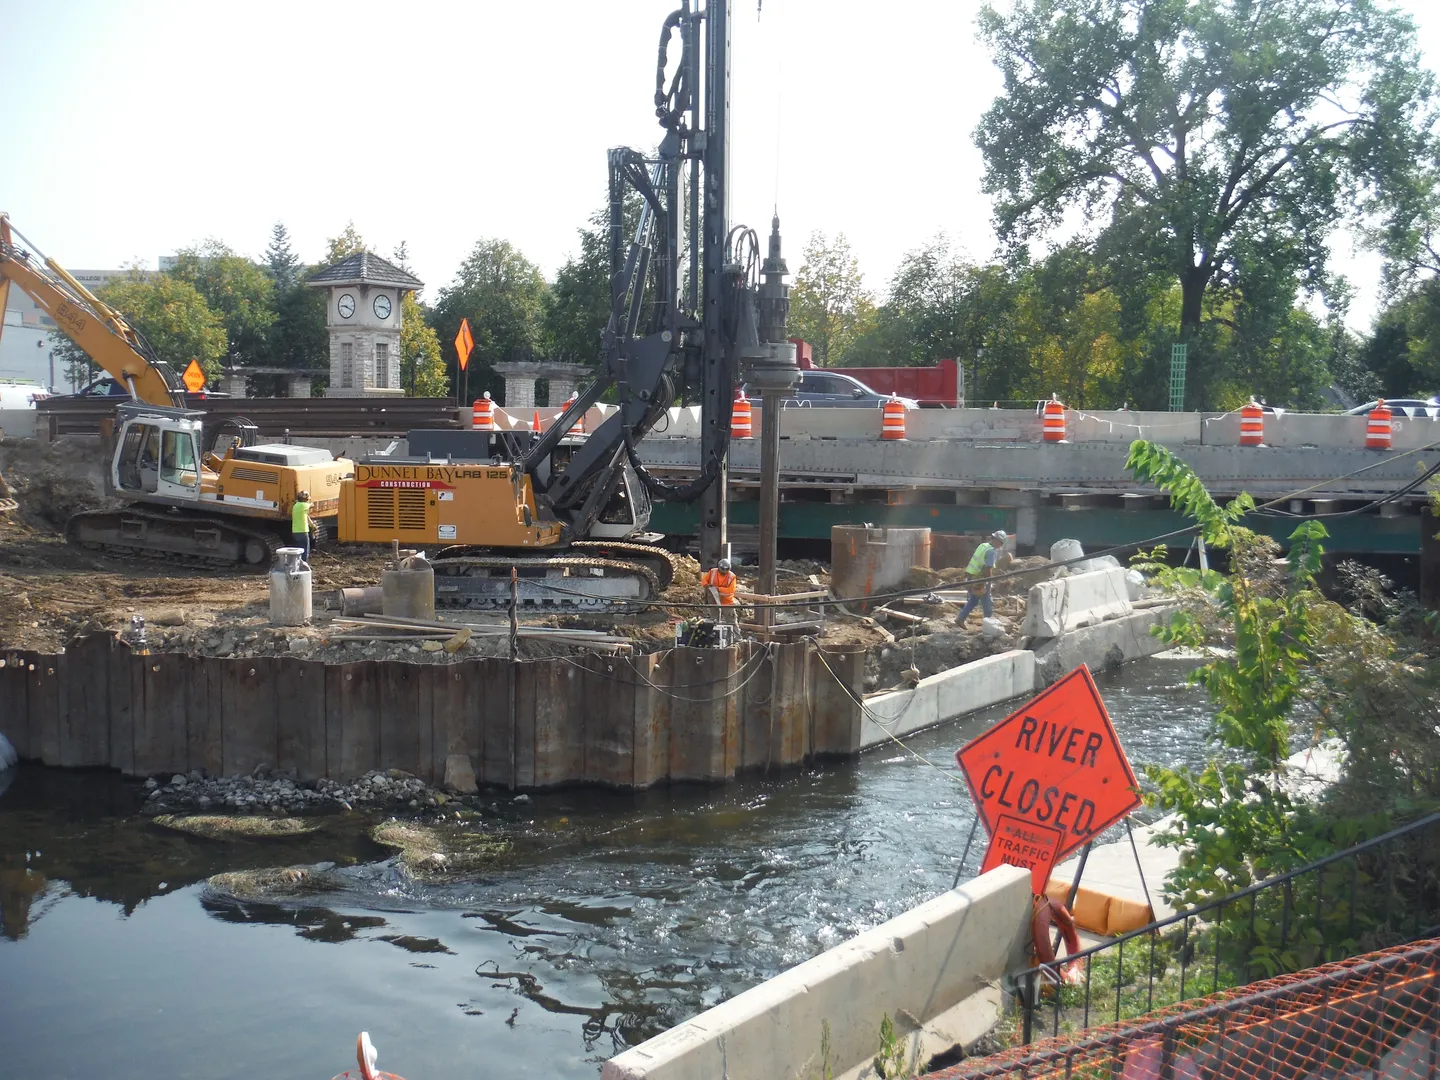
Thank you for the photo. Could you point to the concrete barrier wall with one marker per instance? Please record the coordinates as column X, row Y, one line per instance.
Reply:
column 949, row 694
column 1115, row 641
column 919, row 965
column 17, row 423
column 1067, row 603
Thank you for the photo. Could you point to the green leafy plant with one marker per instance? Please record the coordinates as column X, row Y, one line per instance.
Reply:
column 1288, row 668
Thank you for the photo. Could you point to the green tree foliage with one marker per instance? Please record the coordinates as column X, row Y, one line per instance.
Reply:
column 348, row 243
column 284, row 267
column 422, row 368
column 170, row 313
column 502, row 293
column 829, row 307
column 236, row 289
column 1295, row 668
column 1403, row 351
column 1213, row 143
column 577, row 305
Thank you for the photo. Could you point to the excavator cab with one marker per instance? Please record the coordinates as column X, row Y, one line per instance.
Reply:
column 157, row 455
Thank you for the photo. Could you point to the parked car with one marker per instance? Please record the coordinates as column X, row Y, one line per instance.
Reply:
column 1414, row 407
column 107, row 387
column 832, row 390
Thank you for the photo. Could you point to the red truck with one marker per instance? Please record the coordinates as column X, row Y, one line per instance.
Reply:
column 941, row 385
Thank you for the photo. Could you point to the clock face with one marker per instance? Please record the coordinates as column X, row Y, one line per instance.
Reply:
column 346, row 306
column 382, row 306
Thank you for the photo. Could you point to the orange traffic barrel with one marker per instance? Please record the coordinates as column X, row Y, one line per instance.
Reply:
column 892, row 419
column 482, row 415
column 741, row 417
column 1377, row 428
column 1054, row 420
column 579, row 428
column 1252, row 424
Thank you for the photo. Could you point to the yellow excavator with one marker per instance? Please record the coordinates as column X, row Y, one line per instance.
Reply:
column 228, row 506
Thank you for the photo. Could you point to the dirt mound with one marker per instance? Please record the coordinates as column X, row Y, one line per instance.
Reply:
column 52, row 482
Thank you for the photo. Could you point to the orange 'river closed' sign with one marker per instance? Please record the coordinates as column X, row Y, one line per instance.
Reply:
column 1054, row 763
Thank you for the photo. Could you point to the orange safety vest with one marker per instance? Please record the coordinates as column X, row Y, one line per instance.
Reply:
column 723, row 581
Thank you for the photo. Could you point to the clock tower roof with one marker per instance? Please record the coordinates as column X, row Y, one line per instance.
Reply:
column 364, row 268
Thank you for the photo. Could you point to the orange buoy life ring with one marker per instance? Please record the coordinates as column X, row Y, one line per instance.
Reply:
column 1048, row 912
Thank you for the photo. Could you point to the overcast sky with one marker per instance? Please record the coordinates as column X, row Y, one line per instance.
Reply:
column 134, row 128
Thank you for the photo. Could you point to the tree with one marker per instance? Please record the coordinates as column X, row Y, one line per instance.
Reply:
column 348, row 243
column 502, row 293
column 829, row 306
column 929, row 312
column 577, row 306
column 402, row 256
column 1211, row 141
column 236, row 289
column 169, row 313
column 422, row 368
column 283, row 265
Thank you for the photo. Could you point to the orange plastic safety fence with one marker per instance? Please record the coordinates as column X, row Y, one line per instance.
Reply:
column 1375, row 1016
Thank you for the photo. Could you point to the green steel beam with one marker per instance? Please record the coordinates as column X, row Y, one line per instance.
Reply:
column 1095, row 527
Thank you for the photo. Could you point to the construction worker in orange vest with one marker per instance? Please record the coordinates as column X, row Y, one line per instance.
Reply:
column 720, row 582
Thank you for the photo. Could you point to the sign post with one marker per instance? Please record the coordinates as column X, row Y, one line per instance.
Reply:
column 464, row 342
column 1049, row 778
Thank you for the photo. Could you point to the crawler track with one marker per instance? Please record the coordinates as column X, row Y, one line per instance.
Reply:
column 481, row 582
column 204, row 540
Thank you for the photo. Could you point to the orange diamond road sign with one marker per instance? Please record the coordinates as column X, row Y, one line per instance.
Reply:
column 464, row 343
column 194, row 377
column 1019, row 843
column 1054, row 765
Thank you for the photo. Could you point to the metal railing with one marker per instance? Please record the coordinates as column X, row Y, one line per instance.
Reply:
column 1375, row 894
column 1375, row 1016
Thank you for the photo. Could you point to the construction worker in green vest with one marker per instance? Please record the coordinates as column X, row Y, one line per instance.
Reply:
column 981, row 566
column 300, row 523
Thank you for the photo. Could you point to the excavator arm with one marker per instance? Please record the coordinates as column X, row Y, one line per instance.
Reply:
column 94, row 326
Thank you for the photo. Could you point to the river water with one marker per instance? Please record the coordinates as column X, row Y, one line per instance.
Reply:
column 613, row 917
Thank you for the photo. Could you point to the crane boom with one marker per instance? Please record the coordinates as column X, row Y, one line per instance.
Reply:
column 101, row 331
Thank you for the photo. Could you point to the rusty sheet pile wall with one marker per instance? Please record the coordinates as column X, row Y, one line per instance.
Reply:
column 685, row 714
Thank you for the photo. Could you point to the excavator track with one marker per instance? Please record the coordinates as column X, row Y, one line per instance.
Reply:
column 203, row 540
column 559, row 583
column 660, row 562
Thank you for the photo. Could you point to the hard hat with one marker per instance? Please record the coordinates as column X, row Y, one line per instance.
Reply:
column 724, row 564
column 303, row 496
column 1000, row 535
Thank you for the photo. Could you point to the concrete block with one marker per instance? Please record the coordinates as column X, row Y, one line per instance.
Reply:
column 18, row 423
column 460, row 774
column 922, row 964
column 1054, row 607
column 1101, row 646
column 948, row 694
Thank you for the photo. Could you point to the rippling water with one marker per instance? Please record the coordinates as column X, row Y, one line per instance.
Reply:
column 614, row 916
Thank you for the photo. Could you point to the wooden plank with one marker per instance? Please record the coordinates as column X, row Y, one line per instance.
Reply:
column 14, row 704
column 205, row 715
column 300, row 717
column 161, row 739
column 651, row 720
column 527, row 701
column 835, row 715
column 42, row 692
column 758, row 707
column 127, row 696
column 496, row 684
column 399, row 726
column 792, row 706
column 607, row 696
column 352, row 721
column 85, row 712
column 250, row 704
column 560, row 722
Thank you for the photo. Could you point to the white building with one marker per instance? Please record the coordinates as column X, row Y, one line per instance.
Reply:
column 26, row 344
column 363, row 317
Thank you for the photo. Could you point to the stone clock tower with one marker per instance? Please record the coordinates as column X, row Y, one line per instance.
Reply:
column 363, row 316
